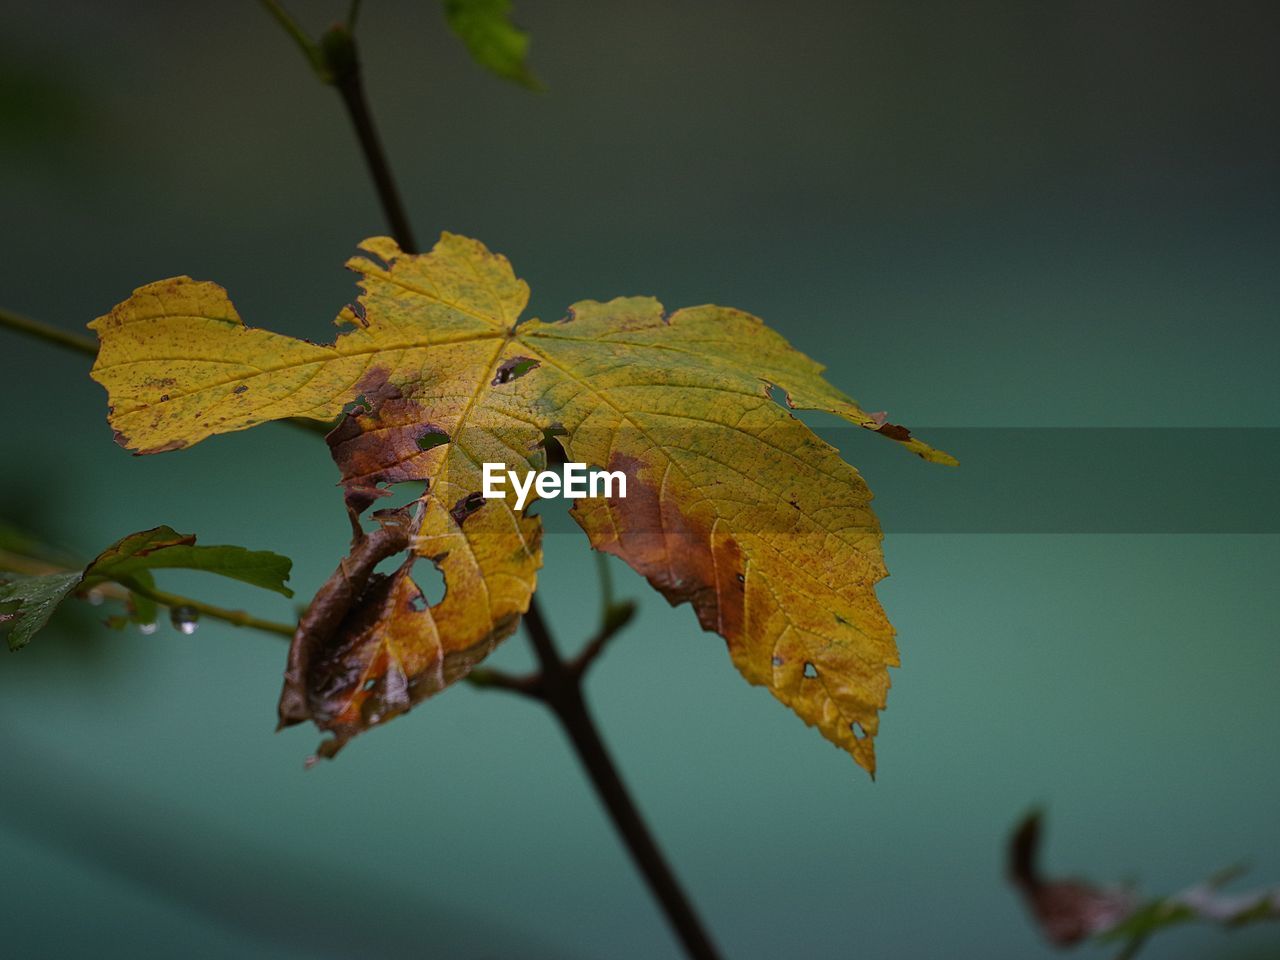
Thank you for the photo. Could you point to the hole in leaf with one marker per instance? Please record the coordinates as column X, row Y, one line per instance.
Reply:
column 466, row 506
column 856, row 729
column 389, row 565
column 370, row 684
column 432, row 439
column 513, row 369
column 777, row 661
column 357, row 407
column 398, row 496
column 810, row 671
column 556, row 456
column 779, row 396
column 429, row 579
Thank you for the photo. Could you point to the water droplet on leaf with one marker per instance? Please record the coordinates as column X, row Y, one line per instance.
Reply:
column 185, row 619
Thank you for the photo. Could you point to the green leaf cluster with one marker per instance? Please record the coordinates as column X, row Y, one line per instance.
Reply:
column 28, row 601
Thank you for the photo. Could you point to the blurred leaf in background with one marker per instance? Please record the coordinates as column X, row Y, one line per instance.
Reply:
column 495, row 42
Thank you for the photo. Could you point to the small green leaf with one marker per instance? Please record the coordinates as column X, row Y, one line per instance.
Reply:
column 494, row 41
column 27, row 602
column 36, row 598
column 164, row 549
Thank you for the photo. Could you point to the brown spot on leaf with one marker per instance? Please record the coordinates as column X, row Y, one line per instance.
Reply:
column 377, row 443
column 894, row 431
column 676, row 552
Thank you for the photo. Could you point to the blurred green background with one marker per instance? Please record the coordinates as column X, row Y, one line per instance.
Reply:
column 978, row 214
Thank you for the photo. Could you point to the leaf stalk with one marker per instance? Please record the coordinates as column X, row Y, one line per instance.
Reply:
column 237, row 618
column 81, row 343
column 343, row 62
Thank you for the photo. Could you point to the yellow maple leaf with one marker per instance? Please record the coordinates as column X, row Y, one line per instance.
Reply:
column 732, row 503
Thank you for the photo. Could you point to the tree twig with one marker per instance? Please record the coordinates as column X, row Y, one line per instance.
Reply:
column 63, row 338
column 527, row 685
column 562, row 691
column 343, row 62
column 616, row 616
column 310, row 49
column 237, row 618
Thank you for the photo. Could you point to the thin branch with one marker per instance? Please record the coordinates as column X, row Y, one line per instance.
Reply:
column 343, row 62
column 237, row 618
column 616, row 616
column 528, row 685
column 563, row 693
column 337, row 63
column 79, row 342
column 27, row 566
column 310, row 49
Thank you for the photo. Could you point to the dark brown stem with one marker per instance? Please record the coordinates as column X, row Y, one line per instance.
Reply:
column 562, row 692
column 340, row 56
